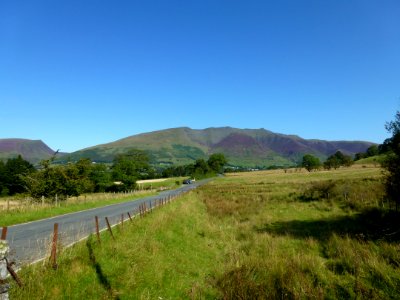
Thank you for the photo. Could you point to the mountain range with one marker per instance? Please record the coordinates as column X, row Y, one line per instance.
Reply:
column 31, row 150
column 242, row 147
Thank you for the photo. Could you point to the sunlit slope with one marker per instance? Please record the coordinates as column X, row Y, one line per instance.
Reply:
column 243, row 147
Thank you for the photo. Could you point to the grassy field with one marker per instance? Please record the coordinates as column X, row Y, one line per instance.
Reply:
column 161, row 184
column 259, row 235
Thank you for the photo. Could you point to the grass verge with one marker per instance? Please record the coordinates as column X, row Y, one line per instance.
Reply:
column 27, row 212
column 38, row 212
column 155, row 257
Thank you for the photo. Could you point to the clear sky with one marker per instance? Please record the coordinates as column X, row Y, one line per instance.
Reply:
column 77, row 73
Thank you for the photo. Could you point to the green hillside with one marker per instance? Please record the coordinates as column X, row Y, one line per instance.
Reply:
column 242, row 147
column 377, row 159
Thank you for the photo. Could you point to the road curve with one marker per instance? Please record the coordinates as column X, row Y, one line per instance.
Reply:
column 30, row 242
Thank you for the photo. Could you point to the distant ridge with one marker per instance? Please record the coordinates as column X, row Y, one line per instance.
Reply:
column 243, row 147
column 31, row 150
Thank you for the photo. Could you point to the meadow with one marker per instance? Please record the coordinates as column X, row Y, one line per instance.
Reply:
column 260, row 235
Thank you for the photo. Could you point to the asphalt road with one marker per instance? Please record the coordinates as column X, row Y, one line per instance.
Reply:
column 30, row 242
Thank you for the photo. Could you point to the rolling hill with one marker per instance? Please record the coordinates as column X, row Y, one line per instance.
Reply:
column 31, row 150
column 243, row 147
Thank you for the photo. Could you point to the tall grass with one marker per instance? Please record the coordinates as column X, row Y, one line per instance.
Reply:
column 261, row 235
column 318, row 235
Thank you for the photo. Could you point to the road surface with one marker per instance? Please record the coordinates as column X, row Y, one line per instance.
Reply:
column 30, row 242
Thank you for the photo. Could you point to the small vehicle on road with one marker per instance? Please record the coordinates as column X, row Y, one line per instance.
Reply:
column 187, row 181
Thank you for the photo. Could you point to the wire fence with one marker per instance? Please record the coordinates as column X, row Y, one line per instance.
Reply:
column 140, row 211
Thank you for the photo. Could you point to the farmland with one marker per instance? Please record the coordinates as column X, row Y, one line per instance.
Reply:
column 259, row 235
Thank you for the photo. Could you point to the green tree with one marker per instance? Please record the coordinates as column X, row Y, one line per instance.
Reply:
column 392, row 162
column 3, row 188
column 360, row 155
column 372, row 151
column 332, row 162
column 129, row 167
column 77, row 177
column 49, row 181
column 61, row 181
column 200, row 168
column 100, row 177
column 14, row 171
column 337, row 160
column 384, row 147
column 310, row 162
column 216, row 162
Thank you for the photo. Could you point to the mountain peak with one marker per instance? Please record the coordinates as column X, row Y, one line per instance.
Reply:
column 31, row 150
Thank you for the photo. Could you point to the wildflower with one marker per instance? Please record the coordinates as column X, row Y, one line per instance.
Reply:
column 3, row 249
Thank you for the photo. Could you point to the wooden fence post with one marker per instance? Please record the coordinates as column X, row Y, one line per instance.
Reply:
column 9, row 265
column 14, row 275
column 109, row 229
column 4, row 233
column 53, row 256
column 97, row 229
column 129, row 215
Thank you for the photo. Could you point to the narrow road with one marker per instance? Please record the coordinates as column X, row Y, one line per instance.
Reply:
column 30, row 242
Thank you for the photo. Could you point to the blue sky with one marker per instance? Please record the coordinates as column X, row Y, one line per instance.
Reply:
column 80, row 73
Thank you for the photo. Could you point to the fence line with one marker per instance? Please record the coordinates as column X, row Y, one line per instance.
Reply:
column 12, row 203
column 142, row 212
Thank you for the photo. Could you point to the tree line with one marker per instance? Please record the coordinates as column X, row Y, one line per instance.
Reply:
column 199, row 169
column 75, row 178
column 337, row 160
